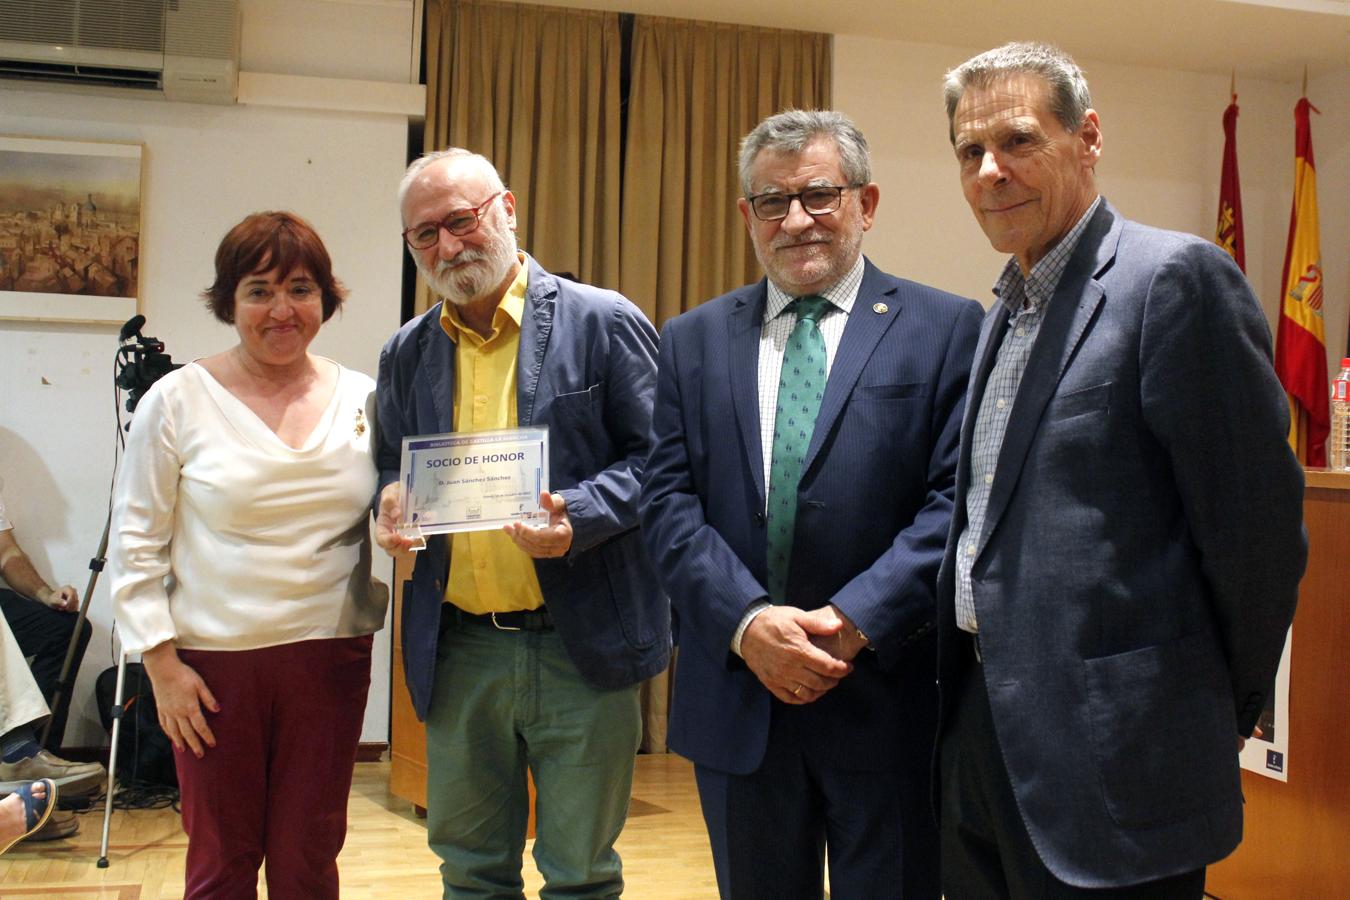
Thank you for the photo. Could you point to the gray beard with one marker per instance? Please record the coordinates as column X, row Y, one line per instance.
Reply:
column 461, row 289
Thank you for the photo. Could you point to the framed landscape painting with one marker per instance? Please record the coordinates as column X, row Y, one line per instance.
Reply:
column 70, row 230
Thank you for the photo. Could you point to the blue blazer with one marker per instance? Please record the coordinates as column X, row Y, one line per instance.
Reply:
column 586, row 370
column 873, row 511
column 1141, row 556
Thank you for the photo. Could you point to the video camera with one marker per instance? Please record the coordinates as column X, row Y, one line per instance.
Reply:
column 141, row 361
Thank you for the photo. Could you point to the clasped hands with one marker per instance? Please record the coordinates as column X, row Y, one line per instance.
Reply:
column 800, row 655
column 539, row 542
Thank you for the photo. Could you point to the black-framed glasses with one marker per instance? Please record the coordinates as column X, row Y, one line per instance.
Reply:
column 459, row 223
column 818, row 200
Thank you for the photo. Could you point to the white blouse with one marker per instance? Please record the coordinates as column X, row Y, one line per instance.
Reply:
column 225, row 538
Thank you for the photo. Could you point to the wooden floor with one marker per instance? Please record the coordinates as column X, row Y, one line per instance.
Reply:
column 664, row 848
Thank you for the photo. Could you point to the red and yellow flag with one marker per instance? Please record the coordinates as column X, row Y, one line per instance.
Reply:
column 1300, row 344
column 1228, row 234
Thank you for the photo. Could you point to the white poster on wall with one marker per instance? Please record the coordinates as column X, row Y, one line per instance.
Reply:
column 1268, row 754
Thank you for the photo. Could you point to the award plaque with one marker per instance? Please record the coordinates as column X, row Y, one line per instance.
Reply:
column 472, row 481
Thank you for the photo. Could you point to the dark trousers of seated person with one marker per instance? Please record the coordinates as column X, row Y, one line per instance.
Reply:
column 43, row 634
column 987, row 853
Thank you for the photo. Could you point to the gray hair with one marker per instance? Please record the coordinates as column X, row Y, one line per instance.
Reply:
column 417, row 166
column 791, row 130
column 1069, row 97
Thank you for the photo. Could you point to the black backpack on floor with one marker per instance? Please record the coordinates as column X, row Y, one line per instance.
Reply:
column 144, row 754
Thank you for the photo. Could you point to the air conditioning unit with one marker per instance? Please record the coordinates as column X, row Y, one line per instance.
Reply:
column 189, row 49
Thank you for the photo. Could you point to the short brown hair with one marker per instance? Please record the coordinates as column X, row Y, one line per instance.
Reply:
column 271, row 240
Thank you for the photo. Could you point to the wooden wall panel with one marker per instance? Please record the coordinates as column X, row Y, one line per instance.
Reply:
column 1297, row 834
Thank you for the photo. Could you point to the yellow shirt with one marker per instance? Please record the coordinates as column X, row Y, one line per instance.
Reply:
column 488, row 572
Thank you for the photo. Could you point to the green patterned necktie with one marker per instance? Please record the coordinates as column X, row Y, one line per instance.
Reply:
column 800, row 388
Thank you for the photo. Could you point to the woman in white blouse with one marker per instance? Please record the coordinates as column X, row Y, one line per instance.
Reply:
column 241, row 570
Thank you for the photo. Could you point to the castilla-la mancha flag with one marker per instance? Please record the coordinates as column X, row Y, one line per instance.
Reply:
column 1300, row 343
column 1228, row 234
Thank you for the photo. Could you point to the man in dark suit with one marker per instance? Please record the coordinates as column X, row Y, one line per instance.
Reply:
column 796, row 503
column 523, row 648
column 1127, row 540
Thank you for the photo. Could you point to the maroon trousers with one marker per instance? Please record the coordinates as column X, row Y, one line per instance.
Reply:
column 275, row 785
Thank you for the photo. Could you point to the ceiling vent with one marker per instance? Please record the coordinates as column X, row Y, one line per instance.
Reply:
column 189, row 49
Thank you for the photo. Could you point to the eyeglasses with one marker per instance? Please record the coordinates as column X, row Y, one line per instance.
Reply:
column 459, row 223
column 820, row 200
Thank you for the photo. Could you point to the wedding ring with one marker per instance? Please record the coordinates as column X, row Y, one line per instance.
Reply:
column 796, row 692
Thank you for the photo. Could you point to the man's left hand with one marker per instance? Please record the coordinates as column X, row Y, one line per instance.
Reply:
column 546, row 541
column 65, row 598
column 845, row 643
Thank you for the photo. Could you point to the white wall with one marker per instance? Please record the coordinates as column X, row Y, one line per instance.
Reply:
column 206, row 167
column 1163, row 142
column 370, row 40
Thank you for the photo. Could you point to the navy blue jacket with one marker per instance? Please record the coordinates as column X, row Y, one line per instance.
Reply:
column 1140, row 558
column 587, row 371
column 874, row 504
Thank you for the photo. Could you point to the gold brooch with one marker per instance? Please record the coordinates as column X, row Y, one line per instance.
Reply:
column 360, row 426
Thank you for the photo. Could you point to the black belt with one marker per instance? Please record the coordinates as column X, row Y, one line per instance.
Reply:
column 519, row 620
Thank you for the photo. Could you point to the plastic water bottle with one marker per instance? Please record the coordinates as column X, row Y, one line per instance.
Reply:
column 1338, row 442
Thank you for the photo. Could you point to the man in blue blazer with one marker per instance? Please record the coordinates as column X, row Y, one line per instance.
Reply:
column 805, row 602
column 523, row 648
column 1127, row 541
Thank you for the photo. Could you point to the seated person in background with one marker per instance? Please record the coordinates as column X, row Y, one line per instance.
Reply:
column 22, row 709
column 22, row 703
column 42, row 618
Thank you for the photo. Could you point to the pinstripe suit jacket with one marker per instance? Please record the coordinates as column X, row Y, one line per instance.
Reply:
column 873, row 510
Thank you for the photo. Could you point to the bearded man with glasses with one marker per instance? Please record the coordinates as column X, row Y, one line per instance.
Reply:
column 796, row 504
column 523, row 648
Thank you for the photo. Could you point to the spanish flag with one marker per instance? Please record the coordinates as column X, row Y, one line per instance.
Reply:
column 1300, row 344
column 1228, row 234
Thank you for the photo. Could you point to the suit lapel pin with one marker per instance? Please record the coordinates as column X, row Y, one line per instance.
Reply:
column 880, row 308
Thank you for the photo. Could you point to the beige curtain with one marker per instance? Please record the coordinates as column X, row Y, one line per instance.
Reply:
column 697, row 89
column 536, row 90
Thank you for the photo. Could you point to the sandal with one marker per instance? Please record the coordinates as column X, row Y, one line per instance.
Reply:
column 36, row 811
